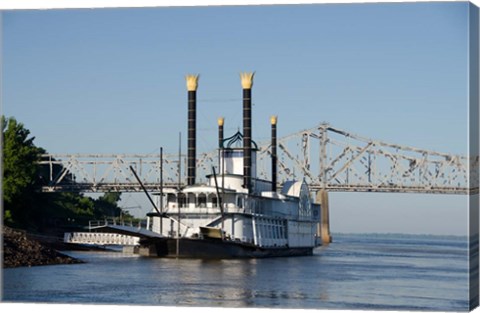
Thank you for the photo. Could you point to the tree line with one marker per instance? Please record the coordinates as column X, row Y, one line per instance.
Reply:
column 25, row 206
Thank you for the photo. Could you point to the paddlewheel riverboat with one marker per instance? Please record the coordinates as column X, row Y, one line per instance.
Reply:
column 235, row 214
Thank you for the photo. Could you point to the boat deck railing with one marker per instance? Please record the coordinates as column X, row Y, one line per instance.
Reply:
column 115, row 222
column 100, row 239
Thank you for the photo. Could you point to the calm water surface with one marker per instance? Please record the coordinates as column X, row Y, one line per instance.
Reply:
column 387, row 272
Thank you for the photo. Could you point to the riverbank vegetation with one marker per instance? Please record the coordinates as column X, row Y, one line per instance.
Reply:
column 26, row 207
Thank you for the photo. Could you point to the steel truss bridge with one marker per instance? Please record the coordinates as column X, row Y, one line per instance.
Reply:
column 326, row 157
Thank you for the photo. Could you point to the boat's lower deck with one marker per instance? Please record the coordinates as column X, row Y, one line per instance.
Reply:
column 214, row 249
column 257, row 229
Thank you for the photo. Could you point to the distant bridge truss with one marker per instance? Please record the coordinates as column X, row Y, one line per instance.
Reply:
column 326, row 157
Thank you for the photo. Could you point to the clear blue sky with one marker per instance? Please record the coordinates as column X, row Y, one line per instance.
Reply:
column 112, row 81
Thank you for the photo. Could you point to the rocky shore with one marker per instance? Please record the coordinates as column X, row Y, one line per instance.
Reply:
column 20, row 250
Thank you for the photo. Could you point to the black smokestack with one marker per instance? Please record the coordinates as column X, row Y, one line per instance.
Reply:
column 220, row 131
column 273, row 121
column 192, row 83
column 247, row 82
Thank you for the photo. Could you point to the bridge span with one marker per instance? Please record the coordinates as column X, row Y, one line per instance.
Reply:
column 328, row 158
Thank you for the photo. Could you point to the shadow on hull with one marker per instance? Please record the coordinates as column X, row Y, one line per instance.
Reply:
column 213, row 249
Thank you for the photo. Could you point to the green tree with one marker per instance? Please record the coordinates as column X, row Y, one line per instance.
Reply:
column 20, row 169
column 25, row 206
column 107, row 205
column 65, row 209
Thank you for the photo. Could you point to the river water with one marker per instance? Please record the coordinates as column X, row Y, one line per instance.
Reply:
column 367, row 272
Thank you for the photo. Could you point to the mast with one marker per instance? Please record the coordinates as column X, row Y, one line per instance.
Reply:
column 220, row 200
column 179, row 189
column 161, row 190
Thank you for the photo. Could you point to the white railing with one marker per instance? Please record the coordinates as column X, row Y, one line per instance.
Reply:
column 100, row 239
column 113, row 222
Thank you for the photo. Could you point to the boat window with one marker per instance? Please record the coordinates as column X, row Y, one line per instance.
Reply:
column 214, row 201
column 191, row 199
column 202, row 200
column 171, row 198
column 182, row 200
column 240, row 202
column 233, row 153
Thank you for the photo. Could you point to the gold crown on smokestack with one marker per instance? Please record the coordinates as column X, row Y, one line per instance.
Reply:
column 220, row 121
column 247, row 80
column 273, row 120
column 192, row 82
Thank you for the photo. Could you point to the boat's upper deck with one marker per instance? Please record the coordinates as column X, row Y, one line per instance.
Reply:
column 208, row 200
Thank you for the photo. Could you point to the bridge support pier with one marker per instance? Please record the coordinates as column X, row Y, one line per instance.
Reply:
column 149, row 250
column 323, row 228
